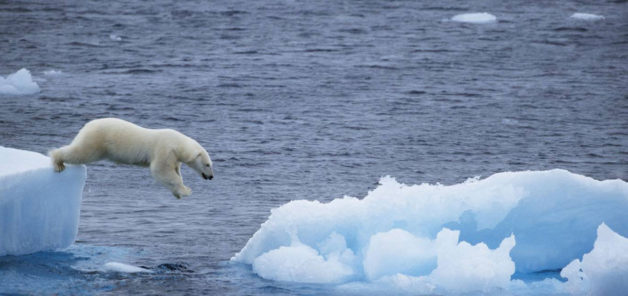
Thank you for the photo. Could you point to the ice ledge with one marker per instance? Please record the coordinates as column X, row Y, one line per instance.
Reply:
column 39, row 209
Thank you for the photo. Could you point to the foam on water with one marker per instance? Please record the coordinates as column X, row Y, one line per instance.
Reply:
column 473, row 236
column 18, row 83
column 475, row 18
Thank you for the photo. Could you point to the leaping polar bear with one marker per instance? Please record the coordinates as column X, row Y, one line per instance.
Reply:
column 121, row 141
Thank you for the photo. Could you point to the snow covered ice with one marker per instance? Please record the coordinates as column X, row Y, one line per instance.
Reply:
column 587, row 16
column 480, row 235
column 475, row 18
column 18, row 83
column 39, row 208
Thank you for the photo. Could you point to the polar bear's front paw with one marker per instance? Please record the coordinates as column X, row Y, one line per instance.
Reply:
column 182, row 191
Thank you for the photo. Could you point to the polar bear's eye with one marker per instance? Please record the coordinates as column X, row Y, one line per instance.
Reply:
column 207, row 165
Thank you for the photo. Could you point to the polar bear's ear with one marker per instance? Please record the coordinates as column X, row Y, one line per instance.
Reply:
column 193, row 157
column 187, row 156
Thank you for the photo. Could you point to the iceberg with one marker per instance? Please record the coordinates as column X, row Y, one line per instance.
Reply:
column 477, row 236
column 475, row 18
column 39, row 208
column 587, row 16
column 18, row 83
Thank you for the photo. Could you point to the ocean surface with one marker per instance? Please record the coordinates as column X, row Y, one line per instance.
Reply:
column 297, row 100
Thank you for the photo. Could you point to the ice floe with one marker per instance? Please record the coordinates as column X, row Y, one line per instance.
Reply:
column 475, row 18
column 479, row 235
column 18, row 83
column 39, row 208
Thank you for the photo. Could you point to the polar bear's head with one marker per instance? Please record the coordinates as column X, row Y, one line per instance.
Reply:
column 198, row 159
column 194, row 155
column 202, row 164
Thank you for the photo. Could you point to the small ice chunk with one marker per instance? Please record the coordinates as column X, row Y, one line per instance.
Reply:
column 126, row 268
column 115, row 37
column 587, row 16
column 475, row 18
column 18, row 83
column 52, row 72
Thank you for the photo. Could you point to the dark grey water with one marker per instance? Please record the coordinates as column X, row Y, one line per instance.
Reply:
column 298, row 100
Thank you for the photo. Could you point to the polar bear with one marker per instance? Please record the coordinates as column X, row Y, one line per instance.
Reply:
column 121, row 141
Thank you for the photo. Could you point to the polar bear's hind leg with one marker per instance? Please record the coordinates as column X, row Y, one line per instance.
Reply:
column 57, row 160
column 74, row 154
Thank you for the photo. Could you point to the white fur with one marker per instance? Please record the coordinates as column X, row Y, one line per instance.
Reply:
column 121, row 141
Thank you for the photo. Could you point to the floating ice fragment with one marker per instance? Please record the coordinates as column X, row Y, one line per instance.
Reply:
column 587, row 16
column 52, row 72
column 125, row 268
column 475, row 18
column 18, row 83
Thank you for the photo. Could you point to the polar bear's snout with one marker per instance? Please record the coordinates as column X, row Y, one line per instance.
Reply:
column 208, row 173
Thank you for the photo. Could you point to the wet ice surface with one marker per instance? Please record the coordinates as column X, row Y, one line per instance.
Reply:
column 299, row 101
